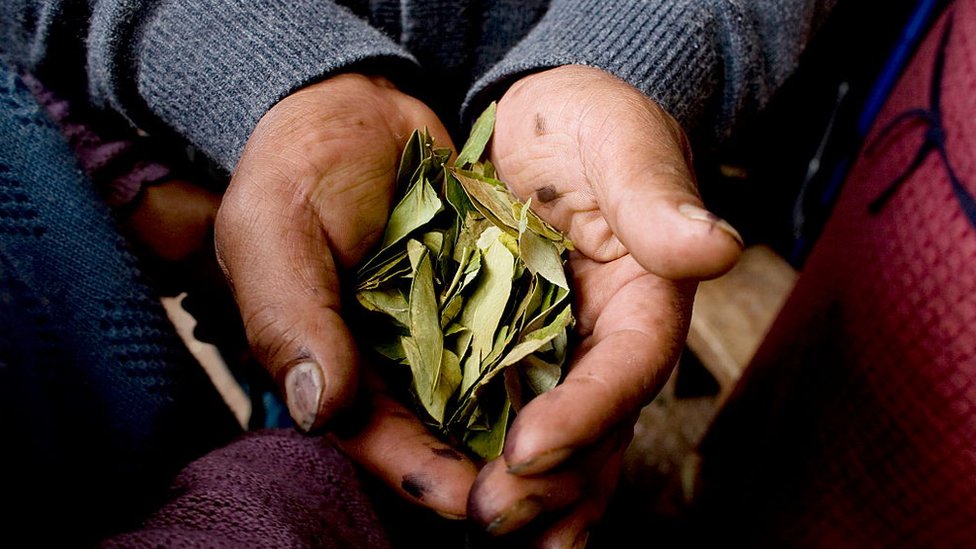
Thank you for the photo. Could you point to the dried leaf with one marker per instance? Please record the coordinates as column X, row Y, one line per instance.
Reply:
column 489, row 443
column 541, row 255
column 471, row 297
column 492, row 202
column 389, row 301
column 425, row 345
column 418, row 207
column 533, row 341
column 487, row 303
column 481, row 132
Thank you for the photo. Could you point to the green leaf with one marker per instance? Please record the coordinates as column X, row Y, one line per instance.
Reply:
column 389, row 301
column 533, row 341
column 462, row 344
column 489, row 443
column 540, row 376
column 481, row 132
column 448, row 381
column 541, row 255
column 552, row 302
column 418, row 207
column 383, row 268
column 456, row 196
column 470, row 295
column 491, row 201
column 468, row 266
column 411, row 158
column 488, row 301
column 541, row 228
column 425, row 345
column 392, row 350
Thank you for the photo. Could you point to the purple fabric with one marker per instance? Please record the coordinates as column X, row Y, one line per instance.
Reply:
column 855, row 424
column 271, row 488
column 112, row 155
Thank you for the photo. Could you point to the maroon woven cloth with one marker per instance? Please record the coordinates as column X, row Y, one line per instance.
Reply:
column 270, row 489
column 856, row 424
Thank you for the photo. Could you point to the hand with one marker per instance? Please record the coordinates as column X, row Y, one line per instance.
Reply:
column 173, row 220
column 308, row 199
column 608, row 166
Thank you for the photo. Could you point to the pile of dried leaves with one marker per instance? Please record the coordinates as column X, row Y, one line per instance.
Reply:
column 467, row 290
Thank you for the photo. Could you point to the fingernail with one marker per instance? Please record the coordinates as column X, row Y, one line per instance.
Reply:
column 699, row 214
column 303, row 392
column 450, row 516
column 540, row 463
column 521, row 512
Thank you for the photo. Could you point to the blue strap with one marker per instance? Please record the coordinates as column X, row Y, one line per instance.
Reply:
column 935, row 139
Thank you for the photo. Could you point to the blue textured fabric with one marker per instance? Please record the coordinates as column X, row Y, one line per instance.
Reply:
column 100, row 401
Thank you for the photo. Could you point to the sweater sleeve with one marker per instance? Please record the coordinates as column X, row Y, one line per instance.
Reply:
column 708, row 62
column 206, row 70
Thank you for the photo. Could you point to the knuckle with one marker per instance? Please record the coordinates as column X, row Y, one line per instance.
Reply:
column 273, row 339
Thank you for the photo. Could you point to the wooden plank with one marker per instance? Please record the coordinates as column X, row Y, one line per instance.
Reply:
column 732, row 313
column 210, row 359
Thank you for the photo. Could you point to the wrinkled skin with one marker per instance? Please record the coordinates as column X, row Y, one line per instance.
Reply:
column 600, row 161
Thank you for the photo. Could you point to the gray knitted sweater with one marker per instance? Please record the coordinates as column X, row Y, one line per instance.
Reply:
column 208, row 69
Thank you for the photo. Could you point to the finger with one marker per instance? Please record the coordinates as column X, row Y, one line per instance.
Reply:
column 304, row 201
column 619, row 367
column 286, row 283
column 174, row 219
column 503, row 503
column 606, row 164
column 573, row 529
column 664, row 225
column 641, row 172
column 396, row 447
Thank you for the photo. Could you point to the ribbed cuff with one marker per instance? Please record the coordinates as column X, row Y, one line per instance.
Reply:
column 665, row 48
column 710, row 63
column 210, row 69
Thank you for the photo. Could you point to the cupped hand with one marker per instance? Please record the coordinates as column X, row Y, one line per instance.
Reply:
column 608, row 166
column 308, row 199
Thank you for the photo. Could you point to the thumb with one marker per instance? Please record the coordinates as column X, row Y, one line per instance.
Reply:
column 666, row 228
column 583, row 140
column 286, row 283
column 648, row 195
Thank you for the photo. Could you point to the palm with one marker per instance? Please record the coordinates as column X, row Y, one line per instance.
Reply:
column 339, row 162
column 309, row 198
column 603, row 163
column 562, row 159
